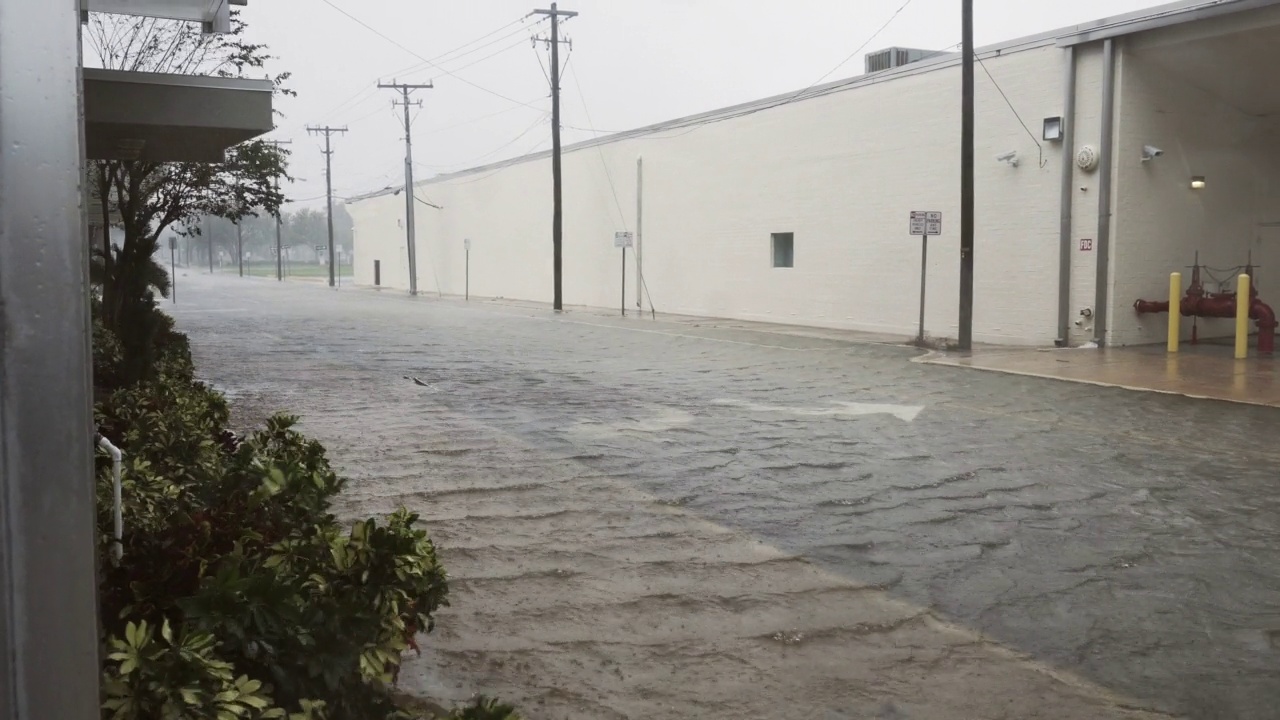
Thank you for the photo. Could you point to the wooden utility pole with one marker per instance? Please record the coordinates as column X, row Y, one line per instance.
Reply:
column 328, row 133
column 966, row 182
column 279, row 252
column 557, row 218
column 410, row 226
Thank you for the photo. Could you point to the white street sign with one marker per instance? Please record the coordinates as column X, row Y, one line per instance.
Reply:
column 466, row 244
column 623, row 240
column 926, row 223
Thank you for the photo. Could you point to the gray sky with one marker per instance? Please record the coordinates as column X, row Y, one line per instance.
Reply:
column 636, row 61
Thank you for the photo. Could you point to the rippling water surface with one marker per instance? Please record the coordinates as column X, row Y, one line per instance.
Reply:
column 666, row 520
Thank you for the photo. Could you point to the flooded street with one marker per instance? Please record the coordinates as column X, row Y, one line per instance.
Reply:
column 670, row 520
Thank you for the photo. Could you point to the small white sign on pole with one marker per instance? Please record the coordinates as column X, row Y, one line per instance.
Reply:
column 926, row 223
column 466, row 244
column 623, row 240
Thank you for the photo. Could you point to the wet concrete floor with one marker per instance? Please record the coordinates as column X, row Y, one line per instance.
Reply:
column 664, row 520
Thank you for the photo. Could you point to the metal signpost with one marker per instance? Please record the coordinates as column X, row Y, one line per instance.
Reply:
column 466, row 247
column 173, row 269
column 924, row 224
column 624, row 240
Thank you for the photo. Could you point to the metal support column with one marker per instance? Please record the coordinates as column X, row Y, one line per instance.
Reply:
column 1105, row 182
column 48, row 605
column 1065, row 202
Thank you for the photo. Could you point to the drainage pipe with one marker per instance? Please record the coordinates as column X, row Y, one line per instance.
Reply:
column 1105, row 181
column 1068, row 194
column 117, row 509
column 640, row 233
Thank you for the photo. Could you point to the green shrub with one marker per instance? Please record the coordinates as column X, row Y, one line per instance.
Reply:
column 240, row 595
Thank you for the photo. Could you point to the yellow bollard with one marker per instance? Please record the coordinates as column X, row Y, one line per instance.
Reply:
column 1243, row 300
column 1175, row 311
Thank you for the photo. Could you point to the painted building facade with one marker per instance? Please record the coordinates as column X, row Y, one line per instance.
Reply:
column 794, row 209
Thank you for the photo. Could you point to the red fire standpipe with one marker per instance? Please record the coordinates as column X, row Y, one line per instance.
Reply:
column 1198, row 303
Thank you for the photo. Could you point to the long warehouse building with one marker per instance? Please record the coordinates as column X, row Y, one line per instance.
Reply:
column 1117, row 151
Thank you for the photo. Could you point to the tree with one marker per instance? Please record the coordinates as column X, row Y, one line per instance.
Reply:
column 148, row 198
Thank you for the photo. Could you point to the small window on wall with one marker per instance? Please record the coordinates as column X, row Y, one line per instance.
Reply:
column 784, row 250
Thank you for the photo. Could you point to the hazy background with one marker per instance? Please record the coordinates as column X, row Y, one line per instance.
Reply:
column 636, row 62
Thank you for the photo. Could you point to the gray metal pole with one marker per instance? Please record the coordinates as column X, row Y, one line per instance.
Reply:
column 328, row 133
column 279, row 221
column 1066, row 202
column 328, row 206
column 279, row 251
column 557, row 172
column 1106, row 152
column 208, row 231
column 240, row 247
column 639, row 234
column 410, row 216
column 557, row 175
column 924, row 276
column 966, row 181
column 49, row 665
column 623, row 302
column 173, row 270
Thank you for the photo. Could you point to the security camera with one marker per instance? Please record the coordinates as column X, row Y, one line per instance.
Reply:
column 1151, row 152
column 1010, row 157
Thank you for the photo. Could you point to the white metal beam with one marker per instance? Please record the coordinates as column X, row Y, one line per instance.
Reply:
column 48, row 586
column 215, row 15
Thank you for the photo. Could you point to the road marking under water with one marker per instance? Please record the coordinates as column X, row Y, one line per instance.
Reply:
column 906, row 413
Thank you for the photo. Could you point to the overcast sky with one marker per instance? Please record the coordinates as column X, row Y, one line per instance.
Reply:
column 633, row 62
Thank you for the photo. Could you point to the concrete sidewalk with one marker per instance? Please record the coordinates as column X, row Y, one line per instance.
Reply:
column 1205, row 371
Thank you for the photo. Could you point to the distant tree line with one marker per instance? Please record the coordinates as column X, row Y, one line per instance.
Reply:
column 302, row 229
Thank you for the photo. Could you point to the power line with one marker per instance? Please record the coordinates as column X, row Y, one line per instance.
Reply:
column 1012, row 109
column 478, row 119
column 537, row 147
column 491, row 55
column 491, row 153
column 398, row 44
column 861, row 47
column 607, row 173
column 451, row 56
column 368, row 92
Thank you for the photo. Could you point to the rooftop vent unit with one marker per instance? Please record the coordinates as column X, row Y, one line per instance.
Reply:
column 894, row 57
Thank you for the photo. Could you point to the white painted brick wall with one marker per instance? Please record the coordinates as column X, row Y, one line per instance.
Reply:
column 841, row 172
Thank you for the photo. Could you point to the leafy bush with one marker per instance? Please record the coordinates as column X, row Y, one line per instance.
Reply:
column 240, row 596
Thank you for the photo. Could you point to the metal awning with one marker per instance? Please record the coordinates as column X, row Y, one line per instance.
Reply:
column 1159, row 17
column 171, row 118
column 215, row 15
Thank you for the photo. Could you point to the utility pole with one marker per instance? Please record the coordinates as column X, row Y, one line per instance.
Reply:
column 409, row 214
column 557, row 219
column 208, row 233
column 240, row 247
column 279, row 253
column 328, row 133
column 966, row 183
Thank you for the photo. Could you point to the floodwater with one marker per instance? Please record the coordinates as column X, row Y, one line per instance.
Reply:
column 676, row 520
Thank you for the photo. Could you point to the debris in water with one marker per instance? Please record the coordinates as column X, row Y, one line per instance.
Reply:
column 792, row 637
